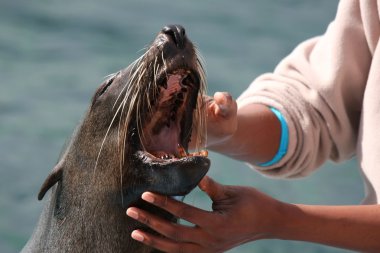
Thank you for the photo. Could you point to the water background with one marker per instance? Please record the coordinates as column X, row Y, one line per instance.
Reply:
column 53, row 54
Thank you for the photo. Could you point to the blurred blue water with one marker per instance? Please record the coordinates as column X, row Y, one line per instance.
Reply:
column 53, row 54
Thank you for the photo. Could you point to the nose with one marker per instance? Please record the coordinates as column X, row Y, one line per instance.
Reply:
column 176, row 33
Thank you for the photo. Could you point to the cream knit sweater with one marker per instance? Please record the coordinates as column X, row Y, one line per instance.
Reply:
column 328, row 89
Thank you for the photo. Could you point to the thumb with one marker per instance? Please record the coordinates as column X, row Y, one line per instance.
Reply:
column 212, row 188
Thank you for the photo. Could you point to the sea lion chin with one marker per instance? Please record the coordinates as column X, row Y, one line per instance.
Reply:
column 134, row 137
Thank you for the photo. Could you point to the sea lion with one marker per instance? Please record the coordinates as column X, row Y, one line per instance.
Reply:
column 133, row 138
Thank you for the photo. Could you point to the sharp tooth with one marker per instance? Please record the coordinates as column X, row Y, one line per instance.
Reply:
column 166, row 156
column 204, row 153
column 181, row 151
column 200, row 153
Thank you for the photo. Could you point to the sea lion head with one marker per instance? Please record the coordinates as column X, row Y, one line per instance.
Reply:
column 135, row 136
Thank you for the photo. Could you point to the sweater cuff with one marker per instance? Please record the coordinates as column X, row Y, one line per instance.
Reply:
column 283, row 148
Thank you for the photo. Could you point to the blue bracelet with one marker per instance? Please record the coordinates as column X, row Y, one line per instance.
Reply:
column 284, row 140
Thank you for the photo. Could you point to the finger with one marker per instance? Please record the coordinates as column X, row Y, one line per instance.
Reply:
column 213, row 189
column 225, row 104
column 163, row 244
column 173, row 231
column 223, row 98
column 179, row 209
column 208, row 99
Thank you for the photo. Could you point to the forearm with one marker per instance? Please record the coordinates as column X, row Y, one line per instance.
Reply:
column 257, row 136
column 351, row 227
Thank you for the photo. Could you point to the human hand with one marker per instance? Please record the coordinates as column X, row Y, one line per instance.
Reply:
column 221, row 117
column 240, row 214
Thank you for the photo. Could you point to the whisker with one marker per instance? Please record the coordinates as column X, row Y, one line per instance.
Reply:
column 200, row 115
column 109, row 76
column 112, row 121
column 138, row 61
column 104, row 140
column 121, row 152
column 164, row 62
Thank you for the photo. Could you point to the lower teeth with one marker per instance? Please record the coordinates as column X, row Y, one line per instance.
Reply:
column 203, row 153
column 181, row 151
column 181, row 154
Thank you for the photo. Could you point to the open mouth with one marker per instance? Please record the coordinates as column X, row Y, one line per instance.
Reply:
column 164, row 93
column 167, row 130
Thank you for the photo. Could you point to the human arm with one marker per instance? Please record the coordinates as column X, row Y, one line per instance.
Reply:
column 351, row 227
column 319, row 90
column 243, row 214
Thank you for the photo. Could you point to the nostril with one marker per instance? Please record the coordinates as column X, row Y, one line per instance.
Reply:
column 169, row 31
column 177, row 33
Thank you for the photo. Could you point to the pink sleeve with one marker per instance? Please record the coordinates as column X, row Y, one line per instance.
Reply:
column 318, row 88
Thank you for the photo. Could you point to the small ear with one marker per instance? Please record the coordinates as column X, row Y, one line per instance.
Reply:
column 54, row 176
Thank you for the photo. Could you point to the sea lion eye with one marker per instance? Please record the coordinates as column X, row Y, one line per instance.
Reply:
column 105, row 86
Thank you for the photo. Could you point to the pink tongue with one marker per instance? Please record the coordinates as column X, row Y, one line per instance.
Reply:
column 166, row 140
column 165, row 143
column 174, row 86
column 179, row 153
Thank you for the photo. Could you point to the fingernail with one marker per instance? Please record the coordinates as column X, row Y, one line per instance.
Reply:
column 137, row 236
column 133, row 214
column 148, row 197
column 223, row 107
